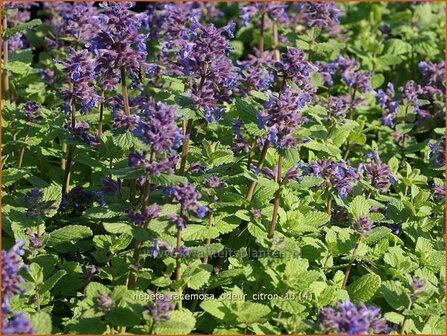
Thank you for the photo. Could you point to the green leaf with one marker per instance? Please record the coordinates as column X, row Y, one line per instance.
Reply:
column 199, row 232
column 20, row 28
column 376, row 234
column 247, row 112
column 359, row 207
column 51, row 281
column 377, row 80
column 41, row 323
column 364, row 288
column 70, row 234
column 167, row 180
column 180, row 323
column 218, row 309
column 395, row 294
column 121, row 316
column 252, row 312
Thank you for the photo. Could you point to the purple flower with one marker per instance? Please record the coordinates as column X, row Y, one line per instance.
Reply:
column 80, row 131
column 197, row 168
column 187, row 196
column 417, row 287
column 142, row 218
column 351, row 76
column 439, row 191
column 179, row 221
column 158, row 128
column 363, row 224
column 378, row 173
column 433, row 74
column 34, row 240
column 254, row 73
column 348, row 318
column 160, row 308
column 80, row 21
column 119, row 45
column 89, row 273
column 203, row 55
column 437, row 151
column 17, row 324
column 80, row 71
column 104, row 303
column 338, row 105
column 110, row 187
column 320, row 14
column 125, row 122
column 36, row 206
column 79, row 199
column 154, row 251
column 282, row 116
column 274, row 11
column 31, row 111
column 11, row 280
column 213, row 182
column 256, row 213
column 336, row 175
column 294, row 65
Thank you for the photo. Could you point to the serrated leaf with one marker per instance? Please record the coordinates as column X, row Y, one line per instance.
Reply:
column 359, row 206
column 70, row 234
column 20, row 28
column 41, row 322
column 376, row 234
column 247, row 112
column 180, row 323
column 364, row 288
column 51, row 281
column 395, row 294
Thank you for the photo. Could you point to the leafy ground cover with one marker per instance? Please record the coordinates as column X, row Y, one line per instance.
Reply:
column 223, row 168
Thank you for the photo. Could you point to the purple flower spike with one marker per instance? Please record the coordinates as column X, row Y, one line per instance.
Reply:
column 104, row 303
column 364, row 224
column 11, row 280
column 160, row 309
column 378, row 173
column 348, row 318
column 18, row 324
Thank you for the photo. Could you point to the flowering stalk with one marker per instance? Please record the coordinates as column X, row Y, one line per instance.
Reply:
column 22, row 150
column 261, row 37
column 348, row 269
column 6, row 92
column 101, row 114
column 252, row 184
column 276, row 201
column 185, row 145
column 124, row 91
column 137, row 244
column 71, row 148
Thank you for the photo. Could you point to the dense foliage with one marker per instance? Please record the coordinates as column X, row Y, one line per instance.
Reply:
column 239, row 168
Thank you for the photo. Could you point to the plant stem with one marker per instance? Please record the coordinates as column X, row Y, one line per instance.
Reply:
column 124, row 91
column 177, row 262
column 348, row 269
column 329, row 205
column 6, row 92
column 22, row 150
column 276, row 41
column 251, row 186
column 137, row 244
column 185, row 146
column 71, row 148
column 208, row 240
column 405, row 321
column 261, row 37
column 276, row 200
column 101, row 114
